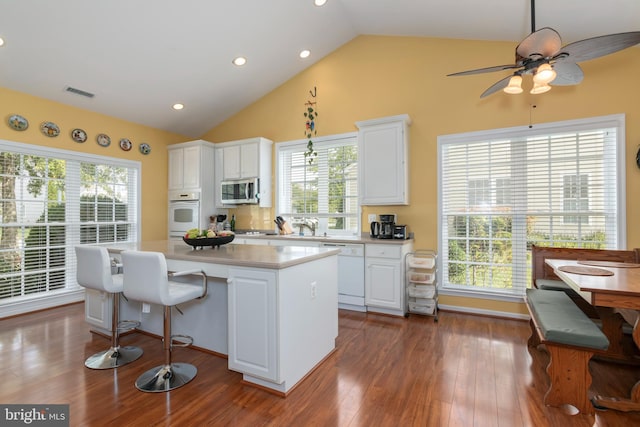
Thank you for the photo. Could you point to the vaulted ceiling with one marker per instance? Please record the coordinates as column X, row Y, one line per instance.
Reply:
column 139, row 58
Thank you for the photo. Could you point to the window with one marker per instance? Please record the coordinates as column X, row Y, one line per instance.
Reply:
column 53, row 200
column 558, row 184
column 479, row 192
column 576, row 198
column 324, row 194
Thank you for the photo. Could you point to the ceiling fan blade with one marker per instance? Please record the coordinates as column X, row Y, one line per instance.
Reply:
column 599, row 46
column 485, row 70
column 540, row 44
column 501, row 84
column 568, row 73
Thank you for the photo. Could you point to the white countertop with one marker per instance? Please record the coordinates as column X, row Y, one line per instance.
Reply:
column 274, row 257
column 323, row 239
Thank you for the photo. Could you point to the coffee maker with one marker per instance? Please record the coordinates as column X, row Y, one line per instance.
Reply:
column 387, row 222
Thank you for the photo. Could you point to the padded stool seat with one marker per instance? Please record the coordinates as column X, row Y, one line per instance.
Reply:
column 94, row 272
column 146, row 279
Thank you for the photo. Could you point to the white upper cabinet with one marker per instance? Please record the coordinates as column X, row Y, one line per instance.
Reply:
column 383, row 149
column 231, row 163
column 185, row 166
column 250, row 159
column 241, row 161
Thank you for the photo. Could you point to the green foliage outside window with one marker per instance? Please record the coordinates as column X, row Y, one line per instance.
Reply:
column 478, row 240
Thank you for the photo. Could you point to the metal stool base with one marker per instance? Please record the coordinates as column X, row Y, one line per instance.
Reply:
column 166, row 377
column 113, row 358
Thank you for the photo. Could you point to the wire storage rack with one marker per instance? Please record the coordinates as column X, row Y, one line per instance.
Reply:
column 422, row 283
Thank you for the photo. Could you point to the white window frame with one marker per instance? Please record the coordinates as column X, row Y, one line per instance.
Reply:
column 516, row 294
column 72, row 292
column 322, row 227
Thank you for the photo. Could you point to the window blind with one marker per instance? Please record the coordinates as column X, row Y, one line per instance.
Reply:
column 324, row 191
column 502, row 191
column 51, row 201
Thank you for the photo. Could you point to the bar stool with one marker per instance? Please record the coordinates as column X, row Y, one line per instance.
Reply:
column 94, row 271
column 146, row 279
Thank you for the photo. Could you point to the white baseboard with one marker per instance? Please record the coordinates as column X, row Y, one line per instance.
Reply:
column 40, row 303
column 493, row 313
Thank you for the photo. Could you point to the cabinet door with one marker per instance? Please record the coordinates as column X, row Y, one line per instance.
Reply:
column 249, row 158
column 191, row 167
column 231, row 165
column 382, row 155
column 382, row 283
column 253, row 336
column 176, row 169
column 98, row 307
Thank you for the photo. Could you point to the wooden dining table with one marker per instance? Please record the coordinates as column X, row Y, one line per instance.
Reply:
column 612, row 288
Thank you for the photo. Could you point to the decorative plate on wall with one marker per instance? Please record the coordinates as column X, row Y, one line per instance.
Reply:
column 103, row 140
column 49, row 129
column 17, row 122
column 125, row 144
column 78, row 135
column 145, row 148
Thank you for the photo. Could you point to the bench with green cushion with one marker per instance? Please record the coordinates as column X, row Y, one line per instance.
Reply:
column 559, row 285
column 561, row 321
column 571, row 339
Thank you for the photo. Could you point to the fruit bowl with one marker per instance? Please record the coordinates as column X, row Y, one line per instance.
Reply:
column 201, row 242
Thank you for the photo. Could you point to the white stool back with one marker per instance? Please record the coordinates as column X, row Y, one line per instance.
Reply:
column 146, row 279
column 94, row 269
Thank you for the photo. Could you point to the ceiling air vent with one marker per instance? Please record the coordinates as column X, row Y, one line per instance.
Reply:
column 79, row 92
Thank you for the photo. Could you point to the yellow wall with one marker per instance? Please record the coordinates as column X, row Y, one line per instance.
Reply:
column 376, row 76
column 154, row 165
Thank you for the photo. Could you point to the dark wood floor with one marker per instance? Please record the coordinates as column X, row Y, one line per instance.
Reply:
column 464, row 370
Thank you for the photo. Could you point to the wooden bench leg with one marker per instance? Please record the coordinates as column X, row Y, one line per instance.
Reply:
column 570, row 378
column 534, row 339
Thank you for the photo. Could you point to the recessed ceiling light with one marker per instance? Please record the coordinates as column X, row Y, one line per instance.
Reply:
column 319, row 2
column 239, row 61
column 178, row 106
column 305, row 53
column 1, row 42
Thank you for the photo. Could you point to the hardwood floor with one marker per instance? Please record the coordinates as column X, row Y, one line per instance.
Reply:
column 464, row 370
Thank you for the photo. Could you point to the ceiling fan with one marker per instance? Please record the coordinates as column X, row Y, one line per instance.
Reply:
column 541, row 54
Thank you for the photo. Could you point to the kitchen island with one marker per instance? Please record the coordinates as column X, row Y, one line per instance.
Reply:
column 272, row 310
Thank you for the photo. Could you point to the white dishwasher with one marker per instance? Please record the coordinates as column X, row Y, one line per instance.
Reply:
column 350, row 275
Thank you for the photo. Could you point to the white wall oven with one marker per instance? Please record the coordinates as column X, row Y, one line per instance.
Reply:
column 184, row 212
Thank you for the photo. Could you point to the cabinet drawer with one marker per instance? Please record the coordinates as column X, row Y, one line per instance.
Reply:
column 383, row 251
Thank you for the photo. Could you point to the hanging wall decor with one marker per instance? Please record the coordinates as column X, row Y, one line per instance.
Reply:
column 310, row 114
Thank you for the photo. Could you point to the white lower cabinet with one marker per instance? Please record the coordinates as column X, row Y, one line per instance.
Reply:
column 252, row 323
column 382, row 284
column 384, row 277
column 98, row 308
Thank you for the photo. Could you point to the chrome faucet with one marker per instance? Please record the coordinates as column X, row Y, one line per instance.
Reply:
column 306, row 223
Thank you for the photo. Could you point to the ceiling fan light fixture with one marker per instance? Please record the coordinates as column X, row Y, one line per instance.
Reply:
column 539, row 88
column 515, row 86
column 544, row 75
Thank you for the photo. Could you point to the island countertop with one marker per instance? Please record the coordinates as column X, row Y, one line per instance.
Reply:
column 237, row 255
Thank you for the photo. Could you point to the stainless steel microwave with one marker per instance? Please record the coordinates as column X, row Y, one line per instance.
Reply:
column 240, row 192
